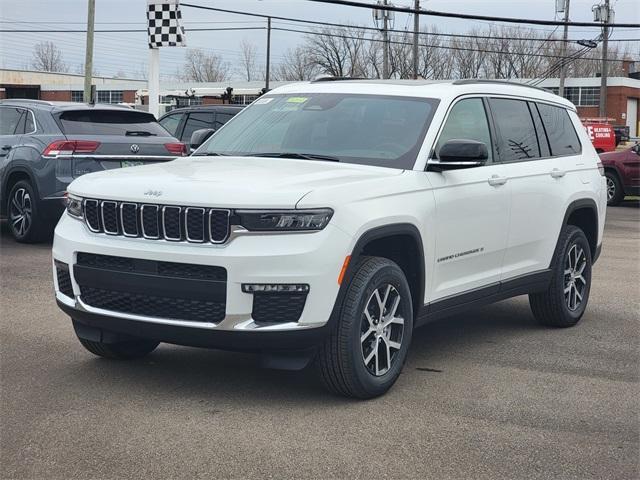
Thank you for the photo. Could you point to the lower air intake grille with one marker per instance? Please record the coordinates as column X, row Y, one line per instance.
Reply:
column 64, row 279
column 278, row 307
column 154, row 306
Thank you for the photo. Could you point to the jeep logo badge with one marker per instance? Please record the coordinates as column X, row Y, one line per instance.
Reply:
column 134, row 148
column 153, row 193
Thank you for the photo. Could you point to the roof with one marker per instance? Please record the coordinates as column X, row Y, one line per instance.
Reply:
column 443, row 90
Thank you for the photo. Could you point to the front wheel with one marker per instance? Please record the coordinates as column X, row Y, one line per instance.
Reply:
column 564, row 302
column 24, row 214
column 365, row 353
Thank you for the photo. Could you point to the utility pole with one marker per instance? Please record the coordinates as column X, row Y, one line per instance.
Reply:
column 563, row 60
column 266, row 82
column 605, row 44
column 88, row 55
column 416, row 31
column 385, row 41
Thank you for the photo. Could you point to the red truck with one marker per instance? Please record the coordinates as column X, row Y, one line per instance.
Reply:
column 622, row 170
column 602, row 136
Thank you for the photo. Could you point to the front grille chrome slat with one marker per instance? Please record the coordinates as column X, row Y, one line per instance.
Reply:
column 154, row 222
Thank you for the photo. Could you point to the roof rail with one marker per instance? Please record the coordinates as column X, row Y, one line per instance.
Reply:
column 26, row 100
column 473, row 81
column 330, row 78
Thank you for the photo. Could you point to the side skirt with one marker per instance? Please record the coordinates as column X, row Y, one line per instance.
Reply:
column 452, row 305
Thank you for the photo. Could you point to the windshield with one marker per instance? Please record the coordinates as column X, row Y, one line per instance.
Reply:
column 366, row 129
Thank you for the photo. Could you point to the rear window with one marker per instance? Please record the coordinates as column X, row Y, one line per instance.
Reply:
column 110, row 122
column 563, row 138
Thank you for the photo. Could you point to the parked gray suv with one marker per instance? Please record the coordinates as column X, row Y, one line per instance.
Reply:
column 45, row 145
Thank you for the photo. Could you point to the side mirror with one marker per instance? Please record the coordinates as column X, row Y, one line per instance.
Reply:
column 457, row 154
column 636, row 148
column 199, row 137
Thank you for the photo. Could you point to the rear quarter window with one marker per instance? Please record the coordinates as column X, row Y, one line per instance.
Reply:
column 563, row 139
column 517, row 139
column 110, row 122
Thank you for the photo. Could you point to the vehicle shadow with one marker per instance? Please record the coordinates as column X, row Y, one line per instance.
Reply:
column 182, row 373
column 630, row 203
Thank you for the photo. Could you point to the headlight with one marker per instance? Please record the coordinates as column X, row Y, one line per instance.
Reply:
column 284, row 220
column 74, row 206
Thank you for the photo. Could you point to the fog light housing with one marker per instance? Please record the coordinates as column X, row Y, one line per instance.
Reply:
column 275, row 288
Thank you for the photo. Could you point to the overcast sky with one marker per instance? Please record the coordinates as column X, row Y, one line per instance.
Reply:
column 127, row 52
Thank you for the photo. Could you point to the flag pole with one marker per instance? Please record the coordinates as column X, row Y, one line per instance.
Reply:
column 153, row 81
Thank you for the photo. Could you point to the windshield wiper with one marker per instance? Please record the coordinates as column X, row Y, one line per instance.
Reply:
column 302, row 156
column 139, row 133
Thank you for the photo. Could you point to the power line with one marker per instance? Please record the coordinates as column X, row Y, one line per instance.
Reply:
column 142, row 30
column 465, row 16
column 396, row 42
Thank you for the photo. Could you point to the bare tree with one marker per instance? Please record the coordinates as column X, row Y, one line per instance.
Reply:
column 200, row 66
column 248, row 60
column 337, row 52
column 295, row 66
column 48, row 58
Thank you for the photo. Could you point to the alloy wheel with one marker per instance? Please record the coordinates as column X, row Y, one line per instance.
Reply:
column 20, row 211
column 575, row 284
column 381, row 330
column 611, row 189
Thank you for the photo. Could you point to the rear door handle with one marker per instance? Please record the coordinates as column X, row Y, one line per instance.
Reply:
column 556, row 173
column 497, row 180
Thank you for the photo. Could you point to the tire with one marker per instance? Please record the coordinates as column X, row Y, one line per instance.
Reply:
column 342, row 359
column 120, row 350
column 615, row 191
column 24, row 214
column 556, row 307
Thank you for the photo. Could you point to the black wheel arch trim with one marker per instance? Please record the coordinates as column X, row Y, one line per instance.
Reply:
column 580, row 204
column 378, row 233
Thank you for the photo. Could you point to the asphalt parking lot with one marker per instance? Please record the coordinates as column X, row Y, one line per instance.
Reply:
column 489, row 394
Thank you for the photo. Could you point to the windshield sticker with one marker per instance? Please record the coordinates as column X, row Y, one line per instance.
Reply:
column 263, row 101
column 297, row 99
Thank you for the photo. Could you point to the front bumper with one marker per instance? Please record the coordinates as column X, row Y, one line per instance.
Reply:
column 300, row 258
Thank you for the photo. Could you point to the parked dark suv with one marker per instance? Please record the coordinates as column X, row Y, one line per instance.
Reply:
column 182, row 122
column 45, row 145
column 622, row 169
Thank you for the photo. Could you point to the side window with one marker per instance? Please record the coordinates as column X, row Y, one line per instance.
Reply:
column 9, row 120
column 563, row 138
column 517, row 138
column 171, row 122
column 543, row 142
column 221, row 119
column 467, row 120
column 196, row 121
column 29, row 126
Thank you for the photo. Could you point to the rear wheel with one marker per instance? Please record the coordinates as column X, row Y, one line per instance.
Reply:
column 615, row 192
column 120, row 350
column 564, row 302
column 366, row 351
column 24, row 214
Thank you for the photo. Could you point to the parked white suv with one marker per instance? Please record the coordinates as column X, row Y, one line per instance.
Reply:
column 329, row 219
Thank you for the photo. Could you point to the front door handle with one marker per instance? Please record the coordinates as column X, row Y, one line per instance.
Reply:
column 557, row 173
column 497, row 180
column 6, row 147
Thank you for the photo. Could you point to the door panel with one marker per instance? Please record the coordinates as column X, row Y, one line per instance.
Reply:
column 472, row 220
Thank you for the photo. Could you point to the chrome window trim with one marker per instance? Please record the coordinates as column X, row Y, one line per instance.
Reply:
column 124, row 232
column 164, row 230
column 104, row 225
column 84, row 212
column 228, row 226
column 144, row 234
column 186, row 224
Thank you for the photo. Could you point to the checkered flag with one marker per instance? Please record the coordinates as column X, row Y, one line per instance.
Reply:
column 165, row 24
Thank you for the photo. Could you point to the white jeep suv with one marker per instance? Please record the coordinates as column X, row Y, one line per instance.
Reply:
column 329, row 219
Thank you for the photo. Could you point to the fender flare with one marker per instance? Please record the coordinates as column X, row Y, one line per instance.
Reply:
column 375, row 234
column 580, row 204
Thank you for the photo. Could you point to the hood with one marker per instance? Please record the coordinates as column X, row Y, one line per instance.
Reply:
column 226, row 182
